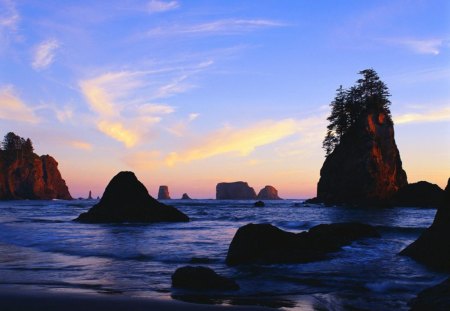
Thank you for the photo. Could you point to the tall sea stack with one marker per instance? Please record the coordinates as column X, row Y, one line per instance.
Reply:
column 163, row 193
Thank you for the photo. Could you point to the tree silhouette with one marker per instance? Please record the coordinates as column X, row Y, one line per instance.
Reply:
column 15, row 147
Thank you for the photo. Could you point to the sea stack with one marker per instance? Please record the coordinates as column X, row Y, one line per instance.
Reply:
column 163, row 193
column 268, row 193
column 238, row 190
column 419, row 194
column 127, row 200
column 185, row 197
column 90, row 195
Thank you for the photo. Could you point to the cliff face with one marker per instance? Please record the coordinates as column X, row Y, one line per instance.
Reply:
column 365, row 168
column 238, row 190
column 268, row 193
column 35, row 178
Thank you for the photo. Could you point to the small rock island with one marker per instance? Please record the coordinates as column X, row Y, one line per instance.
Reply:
column 163, row 193
column 238, row 190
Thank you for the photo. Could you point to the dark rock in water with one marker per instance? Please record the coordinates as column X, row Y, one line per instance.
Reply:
column 268, row 193
column 267, row 244
column 238, row 190
column 365, row 168
column 163, row 193
column 201, row 278
column 185, row 197
column 432, row 248
column 420, row 194
column 90, row 195
column 313, row 201
column 436, row 298
column 127, row 200
column 259, row 204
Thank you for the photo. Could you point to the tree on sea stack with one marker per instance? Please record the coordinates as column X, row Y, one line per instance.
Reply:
column 362, row 165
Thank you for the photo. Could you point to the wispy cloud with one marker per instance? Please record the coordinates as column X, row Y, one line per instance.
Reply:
column 44, row 54
column 180, row 128
column 78, row 144
column 224, row 27
column 13, row 108
column 420, row 46
column 9, row 20
column 437, row 115
column 144, row 160
column 157, row 6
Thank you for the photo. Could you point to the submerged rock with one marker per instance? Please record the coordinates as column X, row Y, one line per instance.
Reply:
column 163, row 193
column 267, row 244
column 185, row 197
column 201, row 278
column 420, row 194
column 268, row 193
column 127, row 200
column 238, row 190
column 436, row 298
column 259, row 204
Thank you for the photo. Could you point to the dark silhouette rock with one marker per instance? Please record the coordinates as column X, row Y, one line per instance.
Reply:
column 185, row 197
column 201, row 278
column 127, row 200
column 314, row 200
column 365, row 168
column 163, row 193
column 238, row 190
column 90, row 195
column 432, row 248
column 259, row 204
column 420, row 194
column 267, row 244
column 268, row 193
column 436, row 298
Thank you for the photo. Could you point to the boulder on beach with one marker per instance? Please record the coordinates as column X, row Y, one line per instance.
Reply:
column 419, row 194
column 432, row 248
column 163, row 193
column 268, row 193
column 267, row 244
column 127, row 200
column 201, row 278
column 185, row 197
column 436, row 298
column 238, row 190
column 259, row 204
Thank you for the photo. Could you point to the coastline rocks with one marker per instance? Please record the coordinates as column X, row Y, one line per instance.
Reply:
column 435, row 298
column 127, row 200
column 420, row 194
column 163, row 193
column 268, row 193
column 259, row 204
column 365, row 168
column 432, row 248
column 234, row 191
column 267, row 244
column 185, row 197
column 201, row 278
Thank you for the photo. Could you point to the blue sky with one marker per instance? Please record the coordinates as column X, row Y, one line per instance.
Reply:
column 191, row 93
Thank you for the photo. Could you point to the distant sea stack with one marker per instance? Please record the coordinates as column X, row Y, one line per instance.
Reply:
column 163, row 193
column 185, row 197
column 268, row 193
column 238, row 190
column 90, row 195
column 127, row 200
column 25, row 175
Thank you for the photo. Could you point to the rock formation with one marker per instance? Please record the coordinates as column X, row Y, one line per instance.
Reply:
column 259, row 204
column 420, row 194
column 267, row 244
column 185, row 197
column 238, row 190
column 365, row 168
column 432, row 248
column 268, row 193
column 433, row 298
column 90, row 195
column 163, row 193
column 127, row 200
column 201, row 278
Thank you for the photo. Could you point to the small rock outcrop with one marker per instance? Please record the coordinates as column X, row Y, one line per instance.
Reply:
column 163, row 193
column 201, row 278
column 432, row 248
column 267, row 244
column 420, row 194
column 365, row 168
column 259, row 204
column 268, row 193
column 434, row 298
column 127, row 200
column 90, row 195
column 185, row 197
column 238, row 190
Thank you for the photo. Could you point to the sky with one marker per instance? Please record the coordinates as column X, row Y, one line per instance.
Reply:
column 192, row 93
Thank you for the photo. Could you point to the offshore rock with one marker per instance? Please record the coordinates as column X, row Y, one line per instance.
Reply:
column 238, row 190
column 259, row 204
column 32, row 178
column 267, row 244
column 127, row 200
column 163, row 193
column 185, row 197
column 90, row 195
column 365, row 168
column 201, row 278
column 420, row 194
column 432, row 248
column 268, row 193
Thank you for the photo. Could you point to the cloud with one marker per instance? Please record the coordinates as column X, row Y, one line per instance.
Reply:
column 78, row 144
column 157, row 6
column 9, row 20
column 438, row 115
column 225, row 27
column 236, row 141
column 144, row 160
column 420, row 46
column 13, row 108
column 180, row 128
column 44, row 54
column 117, row 131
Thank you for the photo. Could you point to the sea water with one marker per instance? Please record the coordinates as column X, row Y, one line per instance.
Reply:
column 41, row 248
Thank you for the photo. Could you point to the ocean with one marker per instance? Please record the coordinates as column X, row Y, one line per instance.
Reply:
column 41, row 248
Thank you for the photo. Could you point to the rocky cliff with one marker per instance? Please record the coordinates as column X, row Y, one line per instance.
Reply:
column 33, row 178
column 163, row 193
column 268, row 193
column 365, row 168
column 238, row 190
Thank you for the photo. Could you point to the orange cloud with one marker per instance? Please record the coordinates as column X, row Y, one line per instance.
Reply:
column 429, row 116
column 13, row 108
